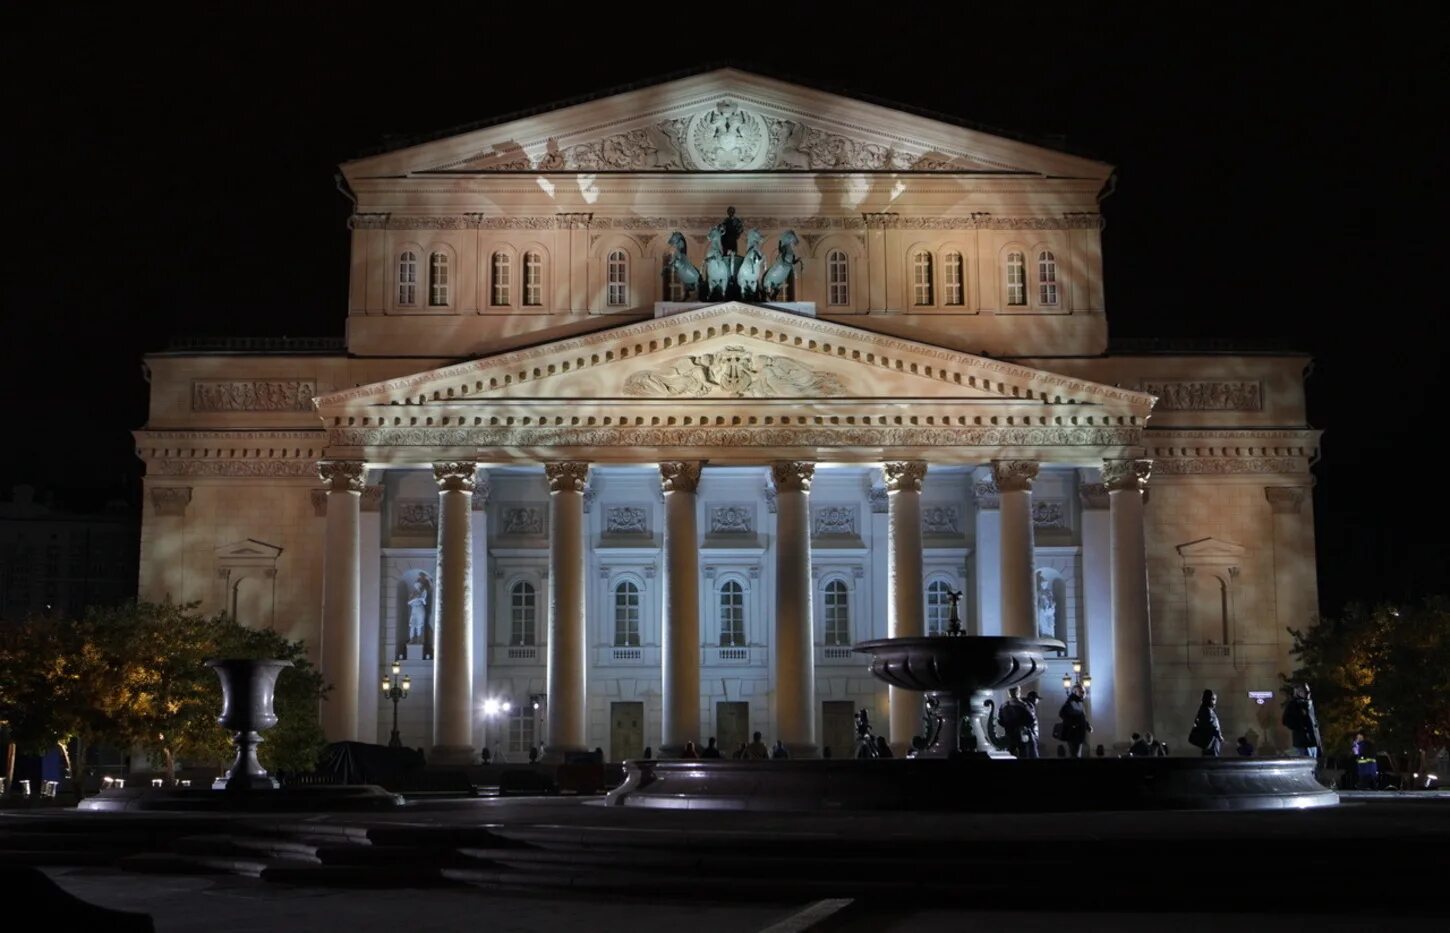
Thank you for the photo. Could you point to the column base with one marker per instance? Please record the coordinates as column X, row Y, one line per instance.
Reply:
column 557, row 754
column 452, row 755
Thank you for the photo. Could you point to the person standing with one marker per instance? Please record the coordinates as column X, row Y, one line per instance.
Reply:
column 1014, row 721
column 710, row 750
column 690, row 751
column 1302, row 723
column 1074, row 727
column 1030, row 747
column 1206, row 733
column 779, row 753
column 1245, row 747
column 1366, row 768
column 757, row 750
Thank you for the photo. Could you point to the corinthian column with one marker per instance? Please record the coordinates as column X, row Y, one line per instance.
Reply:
column 566, row 608
column 795, row 670
column 905, row 618
column 453, row 642
column 1132, row 643
column 681, row 643
column 341, row 564
column 1013, row 479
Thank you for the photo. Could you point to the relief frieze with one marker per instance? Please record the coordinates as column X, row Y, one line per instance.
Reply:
column 253, row 394
column 1204, row 395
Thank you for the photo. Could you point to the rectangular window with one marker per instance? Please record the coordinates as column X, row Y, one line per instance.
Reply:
column 952, row 279
column 533, row 280
column 838, row 614
column 408, row 280
column 521, row 730
column 838, row 283
column 732, row 615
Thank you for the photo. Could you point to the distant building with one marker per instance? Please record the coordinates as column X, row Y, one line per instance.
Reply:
column 57, row 560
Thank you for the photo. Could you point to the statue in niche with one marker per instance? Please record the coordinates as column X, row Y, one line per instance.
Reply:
column 418, row 610
column 1046, row 608
column 751, row 266
column 685, row 272
column 785, row 264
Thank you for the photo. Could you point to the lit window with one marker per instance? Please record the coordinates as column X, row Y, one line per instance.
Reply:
column 501, row 275
column 838, row 279
column 523, row 611
column 1016, row 279
column 626, row 615
column 838, row 614
column 1046, row 278
column 938, row 607
column 732, row 615
column 618, row 276
column 533, row 280
column 408, row 279
column 438, row 280
column 921, row 278
column 952, row 279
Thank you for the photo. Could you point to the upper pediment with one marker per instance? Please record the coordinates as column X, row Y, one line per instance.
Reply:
column 725, row 121
column 733, row 352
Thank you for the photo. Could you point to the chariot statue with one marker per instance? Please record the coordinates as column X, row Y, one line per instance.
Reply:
column 751, row 266
column 785, row 263
column 685, row 272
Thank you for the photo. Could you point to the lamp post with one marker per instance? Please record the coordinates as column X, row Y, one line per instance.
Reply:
column 395, row 689
column 1077, row 679
column 491, row 708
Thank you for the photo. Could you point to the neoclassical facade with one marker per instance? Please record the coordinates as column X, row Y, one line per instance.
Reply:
column 553, row 475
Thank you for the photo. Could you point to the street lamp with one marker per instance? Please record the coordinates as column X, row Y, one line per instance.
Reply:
column 492, row 707
column 396, row 688
column 1077, row 679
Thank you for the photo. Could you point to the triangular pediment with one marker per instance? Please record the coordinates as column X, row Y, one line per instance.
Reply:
column 730, row 352
column 1210, row 550
column 248, row 549
column 725, row 120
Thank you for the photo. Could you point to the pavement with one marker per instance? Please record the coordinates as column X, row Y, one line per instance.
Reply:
column 529, row 864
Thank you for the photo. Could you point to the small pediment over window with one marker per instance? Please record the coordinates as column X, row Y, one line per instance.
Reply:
column 1210, row 549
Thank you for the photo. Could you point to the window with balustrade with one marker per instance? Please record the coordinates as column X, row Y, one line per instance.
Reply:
column 732, row 615
column 523, row 614
column 626, row 615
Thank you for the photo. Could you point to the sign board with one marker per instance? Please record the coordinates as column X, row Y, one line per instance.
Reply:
column 1261, row 696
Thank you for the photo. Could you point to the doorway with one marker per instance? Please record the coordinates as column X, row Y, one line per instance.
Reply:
column 838, row 728
column 626, row 731
column 732, row 726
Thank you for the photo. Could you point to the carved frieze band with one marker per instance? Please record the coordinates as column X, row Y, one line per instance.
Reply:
column 456, row 475
column 1286, row 500
column 1222, row 465
column 792, row 475
column 813, row 436
column 416, row 517
column 1014, row 475
column 904, row 475
column 680, row 475
column 566, row 476
column 170, row 500
column 1185, row 395
column 700, row 225
column 253, row 394
column 1126, row 475
column 340, row 475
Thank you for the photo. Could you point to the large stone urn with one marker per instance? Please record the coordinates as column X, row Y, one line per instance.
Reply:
column 956, row 671
column 248, row 690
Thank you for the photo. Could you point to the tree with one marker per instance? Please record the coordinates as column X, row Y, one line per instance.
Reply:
column 1385, row 671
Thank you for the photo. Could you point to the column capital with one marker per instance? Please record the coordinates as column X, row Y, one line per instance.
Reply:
column 456, row 475
column 1286, row 500
column 170, row 500
column 372, row 498
column 482, row 489
column 1014, row 475
column 1093, row 495
column 1126, row 475
column 792, row 475
column 680, row 475
column 904, row 475
column 566, row 475
column 341, row 475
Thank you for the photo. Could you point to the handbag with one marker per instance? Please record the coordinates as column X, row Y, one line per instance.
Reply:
column 1057, row 731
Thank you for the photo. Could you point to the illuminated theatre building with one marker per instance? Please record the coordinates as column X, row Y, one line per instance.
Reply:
column 549, row 476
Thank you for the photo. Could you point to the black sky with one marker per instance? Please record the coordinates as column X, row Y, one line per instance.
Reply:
column 1277, row 182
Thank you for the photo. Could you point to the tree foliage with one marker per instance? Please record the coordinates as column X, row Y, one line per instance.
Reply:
column 1383, row 670
column 136, row 676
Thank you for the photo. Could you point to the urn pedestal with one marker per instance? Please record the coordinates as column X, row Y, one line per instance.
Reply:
column 248, row 691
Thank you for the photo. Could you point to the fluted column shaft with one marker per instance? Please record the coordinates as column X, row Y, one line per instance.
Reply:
column 795, row 671
column 341, row 564
column 453, row 641
column 680, row 657
column 904, row 582
column 566, row 701
column 1013, row 479
column 1132, row 641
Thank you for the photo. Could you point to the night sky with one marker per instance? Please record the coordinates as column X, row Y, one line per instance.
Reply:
column 1275, row 188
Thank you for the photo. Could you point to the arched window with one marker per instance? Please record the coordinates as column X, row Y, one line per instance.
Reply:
column 626, row 615
column 921, row 284
column 951, row 279
column 732, row 615
column 618, row 278
column 502, row 279
column 674, row 291
column 408, row 279
column 533, row 280
column 1046, row 278
column 838, row 614
column 523, row 612
column 838, row 278
column 1016, row 278
column 938, row 607
column 438, row 280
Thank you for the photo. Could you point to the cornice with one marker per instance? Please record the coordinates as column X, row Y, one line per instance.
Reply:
column 701, row 224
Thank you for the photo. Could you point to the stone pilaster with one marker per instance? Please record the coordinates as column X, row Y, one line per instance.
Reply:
column 795, row 671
